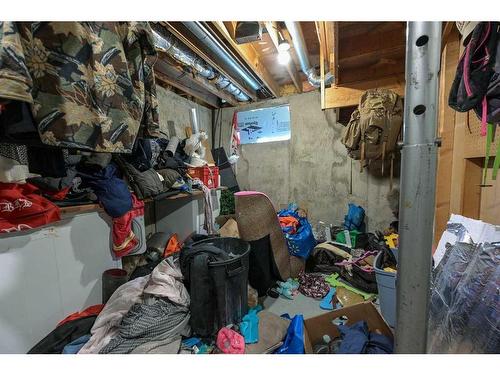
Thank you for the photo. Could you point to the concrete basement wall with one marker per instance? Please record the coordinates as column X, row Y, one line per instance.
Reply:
column 173, row 107
column 313, row 168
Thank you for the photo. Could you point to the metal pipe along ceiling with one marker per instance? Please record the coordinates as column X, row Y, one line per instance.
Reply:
column 175, row 49
column 300, row 48
column 218, row 50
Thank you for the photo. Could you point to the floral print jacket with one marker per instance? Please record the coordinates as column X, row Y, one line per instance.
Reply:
column 90, row 84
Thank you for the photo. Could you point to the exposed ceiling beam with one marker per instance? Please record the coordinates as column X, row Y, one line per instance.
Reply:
column 367, row 58
column 383, row 68
column 332, row 47
column 251, row 58
column 272, row 29
column 352, row 29
column 207, row 99
column 191, row 82
column 321, row 32
column 345, row 96
column 180, row 32
column 372, row 42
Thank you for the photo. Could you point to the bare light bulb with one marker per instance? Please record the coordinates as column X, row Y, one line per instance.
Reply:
column 283, row 57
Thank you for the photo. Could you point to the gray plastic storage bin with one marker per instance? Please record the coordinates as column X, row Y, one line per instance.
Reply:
column 386, row 284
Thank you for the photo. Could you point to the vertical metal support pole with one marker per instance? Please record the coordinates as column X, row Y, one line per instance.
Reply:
column 418, row 185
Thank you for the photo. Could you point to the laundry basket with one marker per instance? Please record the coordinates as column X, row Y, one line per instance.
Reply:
column 228, row 287
column 386, row 284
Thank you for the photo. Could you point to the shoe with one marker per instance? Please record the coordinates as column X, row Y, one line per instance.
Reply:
column 273, row 292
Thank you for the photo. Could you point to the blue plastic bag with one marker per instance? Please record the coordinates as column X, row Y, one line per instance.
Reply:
column 355, row 218
column 249, row 327
column 302, row 242
column 294, row 340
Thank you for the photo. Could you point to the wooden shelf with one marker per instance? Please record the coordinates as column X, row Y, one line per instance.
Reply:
column 73, row 210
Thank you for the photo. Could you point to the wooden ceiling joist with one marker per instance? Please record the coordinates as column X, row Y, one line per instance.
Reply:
column 209, row 100
column 320, row 30
column 332, row 49
column 381, row 69
column 180, row 32
column 272, row 29
column 193, row 85
column 250, row 57
column 371, row 42
column 345, row 96
column 373, row 56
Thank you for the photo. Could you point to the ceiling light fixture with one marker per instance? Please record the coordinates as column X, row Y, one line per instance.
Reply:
column 283, row 57
column 283, row 50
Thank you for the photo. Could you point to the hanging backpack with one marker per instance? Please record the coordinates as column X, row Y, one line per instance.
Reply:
column 477, row 84
column 374, row 127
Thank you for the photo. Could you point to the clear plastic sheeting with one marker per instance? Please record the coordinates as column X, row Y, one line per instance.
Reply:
column 464, row 229
column 465, row 300
column 460, row 231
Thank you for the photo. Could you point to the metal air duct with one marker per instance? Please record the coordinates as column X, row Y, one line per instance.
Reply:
column 214, row 46
column 175, row 49
column 300, row 48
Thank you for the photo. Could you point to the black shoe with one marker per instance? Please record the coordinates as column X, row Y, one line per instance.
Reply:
column 273, row 292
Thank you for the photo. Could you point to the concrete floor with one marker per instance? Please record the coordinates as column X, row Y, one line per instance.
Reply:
column 308, row 307
column 301, row 304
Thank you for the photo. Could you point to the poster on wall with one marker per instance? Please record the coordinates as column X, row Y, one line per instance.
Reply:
column 264, row 125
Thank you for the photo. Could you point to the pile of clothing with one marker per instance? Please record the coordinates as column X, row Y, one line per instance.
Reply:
column 259, row 332
column 354, row 265
column 79, row 125
column 148, row 314
column 356, row 339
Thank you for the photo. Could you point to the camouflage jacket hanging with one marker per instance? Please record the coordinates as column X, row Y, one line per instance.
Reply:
column 90, row 84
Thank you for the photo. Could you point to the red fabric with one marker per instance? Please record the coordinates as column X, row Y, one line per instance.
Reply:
column 289, row 221
column 58, row 195
column 124, row 239
column 230, row 342
column 173, row 246
column 21, row 208
column 93, row 310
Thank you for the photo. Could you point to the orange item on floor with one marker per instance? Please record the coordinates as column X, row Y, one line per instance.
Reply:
column 89, row 311
column 173, row 246
column 289, row 221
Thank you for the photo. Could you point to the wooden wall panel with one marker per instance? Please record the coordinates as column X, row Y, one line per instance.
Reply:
column 446, row 132
column 475, row 147
column 490, row 201
column 471, row 203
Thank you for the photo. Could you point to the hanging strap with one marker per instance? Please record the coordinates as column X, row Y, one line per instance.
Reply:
column 383, row 156
column 362, row 161
column 496, row 163
column 387, row 126
column 489, row 140
column 392, row 172
column 484, row 116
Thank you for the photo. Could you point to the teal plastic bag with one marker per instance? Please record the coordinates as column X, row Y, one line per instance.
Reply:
column 294, row 340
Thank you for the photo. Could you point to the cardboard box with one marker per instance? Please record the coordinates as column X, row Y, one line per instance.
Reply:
column 315, row 328
column 230, row 229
